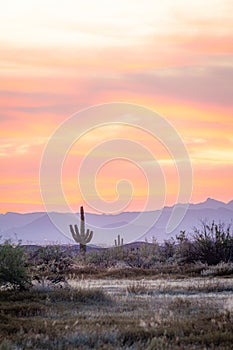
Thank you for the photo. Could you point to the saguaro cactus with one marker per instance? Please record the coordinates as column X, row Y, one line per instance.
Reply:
column 119, row 241
column 81, row 236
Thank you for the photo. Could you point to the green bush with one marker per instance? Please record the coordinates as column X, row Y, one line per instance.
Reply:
column 13, row 270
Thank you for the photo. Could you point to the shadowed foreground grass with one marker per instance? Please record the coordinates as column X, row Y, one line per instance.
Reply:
column 90, row 318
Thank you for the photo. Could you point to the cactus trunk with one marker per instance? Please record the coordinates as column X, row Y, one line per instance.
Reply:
column 83, row 248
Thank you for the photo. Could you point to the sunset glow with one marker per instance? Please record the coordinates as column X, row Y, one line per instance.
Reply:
column 58, row 57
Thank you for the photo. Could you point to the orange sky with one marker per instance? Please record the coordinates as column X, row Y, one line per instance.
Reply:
column 57, row 57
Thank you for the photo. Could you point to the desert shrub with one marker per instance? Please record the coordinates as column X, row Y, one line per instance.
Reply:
column 168, row 250
column 142, row 256
column 13, row 269
column 145, row 256
column 185, row 249
column 134, row 258
column 213, row 243
column 51, row 264
column 53, row 258
column 101, row 258
column 210, row 244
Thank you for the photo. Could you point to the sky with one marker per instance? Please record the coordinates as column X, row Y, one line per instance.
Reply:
column 58, row 57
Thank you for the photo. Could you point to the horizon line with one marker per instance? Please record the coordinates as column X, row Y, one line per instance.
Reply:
column 94, row 213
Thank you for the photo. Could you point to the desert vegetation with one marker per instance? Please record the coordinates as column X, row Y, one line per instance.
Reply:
column 175, row 295
column 81, row 236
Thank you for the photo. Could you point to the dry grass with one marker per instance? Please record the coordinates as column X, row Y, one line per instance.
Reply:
column 162, row 270
column 158, row 286
column 120, row 314
column 138, row 287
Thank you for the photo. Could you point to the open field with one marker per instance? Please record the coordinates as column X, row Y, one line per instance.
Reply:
column 108, row 313
column 151, row 297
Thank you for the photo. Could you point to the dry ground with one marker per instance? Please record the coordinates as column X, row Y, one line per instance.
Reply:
column 187, row 313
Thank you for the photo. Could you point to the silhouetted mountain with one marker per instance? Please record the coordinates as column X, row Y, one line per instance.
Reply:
column 11, row 219
column 208, row 204
column 53, row 228
column 229, row 205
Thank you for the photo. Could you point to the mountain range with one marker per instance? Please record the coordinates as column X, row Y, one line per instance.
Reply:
column 43, row 228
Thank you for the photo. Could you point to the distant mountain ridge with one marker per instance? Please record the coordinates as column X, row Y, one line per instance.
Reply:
column 38, row 228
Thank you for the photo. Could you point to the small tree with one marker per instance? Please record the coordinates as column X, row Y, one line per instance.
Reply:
column 13, row 270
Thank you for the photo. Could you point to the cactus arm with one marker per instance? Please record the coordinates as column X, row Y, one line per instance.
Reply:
column 75, row 233
column 88, row 236
column 72, row 230
column 76, row 230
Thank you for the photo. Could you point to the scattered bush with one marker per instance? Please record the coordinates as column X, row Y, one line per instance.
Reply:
column 210, row 244
column 50, row 265
column 53, row 259
column 13, row 270
column 213, row 243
